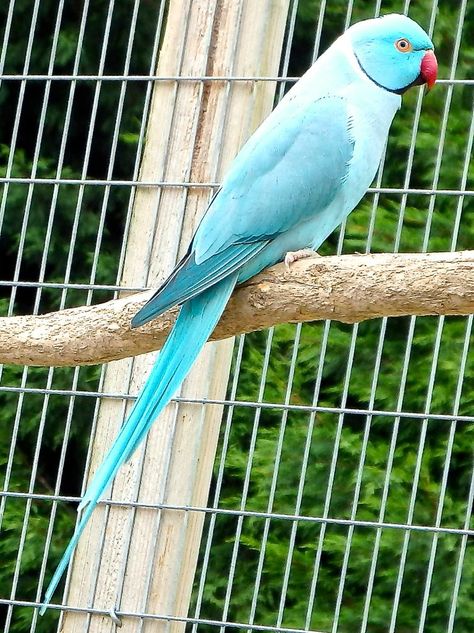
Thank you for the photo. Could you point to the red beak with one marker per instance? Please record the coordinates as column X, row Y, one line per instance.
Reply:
column 429, row 69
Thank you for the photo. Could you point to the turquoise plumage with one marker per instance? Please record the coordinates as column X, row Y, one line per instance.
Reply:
column 292, row 184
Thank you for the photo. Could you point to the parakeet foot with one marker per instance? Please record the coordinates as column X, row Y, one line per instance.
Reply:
column 293, row 256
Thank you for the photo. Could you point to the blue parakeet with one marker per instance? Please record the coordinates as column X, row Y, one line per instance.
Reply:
column 294, row 181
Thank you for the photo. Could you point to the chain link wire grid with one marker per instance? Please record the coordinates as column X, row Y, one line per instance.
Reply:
column 343, row 488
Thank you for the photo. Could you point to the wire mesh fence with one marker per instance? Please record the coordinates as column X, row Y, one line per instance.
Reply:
column 342, row 490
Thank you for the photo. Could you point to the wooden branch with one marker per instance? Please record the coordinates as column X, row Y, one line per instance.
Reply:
column 349, row 288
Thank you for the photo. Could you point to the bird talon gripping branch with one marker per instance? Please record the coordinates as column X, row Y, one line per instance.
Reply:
column 293, row 256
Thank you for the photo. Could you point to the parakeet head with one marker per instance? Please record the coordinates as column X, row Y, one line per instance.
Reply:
column 394, row 52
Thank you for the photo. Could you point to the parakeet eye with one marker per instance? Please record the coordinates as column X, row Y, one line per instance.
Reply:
column 403, row 45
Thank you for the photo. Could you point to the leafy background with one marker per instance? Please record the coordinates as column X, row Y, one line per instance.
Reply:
column 434, row 457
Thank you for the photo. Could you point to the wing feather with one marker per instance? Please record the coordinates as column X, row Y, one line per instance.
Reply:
column 281, row 177
column 190, row 279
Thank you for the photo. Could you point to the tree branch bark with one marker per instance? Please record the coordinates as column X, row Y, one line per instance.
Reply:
column 349, row 288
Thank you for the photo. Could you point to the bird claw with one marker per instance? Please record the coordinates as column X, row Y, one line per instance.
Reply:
column 293, row 256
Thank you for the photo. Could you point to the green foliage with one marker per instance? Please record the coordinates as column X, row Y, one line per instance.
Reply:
column 412, row 454
column 58, row 234
column 369, row 451
column 377, row 381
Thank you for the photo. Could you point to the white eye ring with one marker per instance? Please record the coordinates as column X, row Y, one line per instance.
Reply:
column 403, row 45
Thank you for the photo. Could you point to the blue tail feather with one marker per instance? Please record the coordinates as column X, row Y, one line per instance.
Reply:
column 196, row 321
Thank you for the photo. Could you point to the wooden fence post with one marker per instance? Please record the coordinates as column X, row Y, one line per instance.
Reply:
column 145, row 560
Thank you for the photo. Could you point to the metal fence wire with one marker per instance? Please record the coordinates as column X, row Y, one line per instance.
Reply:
column 342, row 488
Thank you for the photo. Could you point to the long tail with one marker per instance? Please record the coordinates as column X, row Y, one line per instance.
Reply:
column 195, row 323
